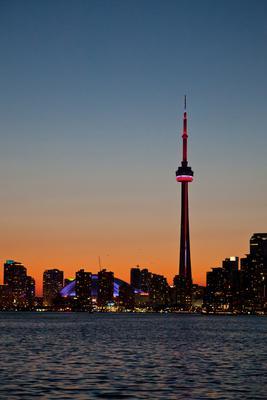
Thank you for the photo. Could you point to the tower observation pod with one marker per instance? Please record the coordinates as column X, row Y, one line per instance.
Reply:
column 184, row 175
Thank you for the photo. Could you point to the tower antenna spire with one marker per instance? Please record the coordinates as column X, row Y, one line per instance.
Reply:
column 185, row 102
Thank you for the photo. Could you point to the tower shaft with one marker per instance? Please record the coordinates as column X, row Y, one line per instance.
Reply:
column 185, row 257
column 184, row 175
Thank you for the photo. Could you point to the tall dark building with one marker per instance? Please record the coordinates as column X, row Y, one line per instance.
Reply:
column 21, row 286
column 52, row 284
column 159, row 292
column 136, row 277
column 83, row 287
column 184, row 175
column 126, row 296
column 223, row 286
column 105, row 288
column 254, row 274
column 15, row 277
column 146, row 277
column 141, row 278
column 6, row 298
column 30, row 291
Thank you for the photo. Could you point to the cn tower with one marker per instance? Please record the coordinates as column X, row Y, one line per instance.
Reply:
column 184, row 175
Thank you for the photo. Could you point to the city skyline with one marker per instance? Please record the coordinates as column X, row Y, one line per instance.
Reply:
column 232, row 288
column 90, row 121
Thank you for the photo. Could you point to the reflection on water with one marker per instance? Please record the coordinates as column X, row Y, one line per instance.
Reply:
column 120, row 356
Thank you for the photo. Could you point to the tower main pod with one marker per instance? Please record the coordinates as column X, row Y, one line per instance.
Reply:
column 184, row 175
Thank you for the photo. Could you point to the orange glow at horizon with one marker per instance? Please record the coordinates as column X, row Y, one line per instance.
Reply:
column 159, row 254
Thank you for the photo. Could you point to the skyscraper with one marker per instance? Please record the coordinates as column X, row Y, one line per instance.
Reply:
column 21, row 286
column 254, row 274
column 52, row 284
column 83, row 287
column 184, row 175
column 30, row 291
column 15, row 277
column 105, row 287
column 136, row 277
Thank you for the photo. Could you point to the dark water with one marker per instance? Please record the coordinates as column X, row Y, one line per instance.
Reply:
column 120, row 356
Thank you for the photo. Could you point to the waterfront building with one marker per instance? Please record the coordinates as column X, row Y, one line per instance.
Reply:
column 159, row 293
column 126, row 296
column 141, row 279
column 52, row 284
column 198, row 293
column 223, row 286
column 105, row 288
column 30, row 292
column 181, row 293
column 254, row 275
column 6, row 298
column 135, row 278
column 83, row 287
column 15, row 277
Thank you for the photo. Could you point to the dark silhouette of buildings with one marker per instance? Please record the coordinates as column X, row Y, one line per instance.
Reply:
column 182, row 293
column 154, row 285
column 105, row 288
column 223, row 286
column 254, row 274
column 15, row 277
column 52, row 284
column 241, row 290
column 135, row 277
column 184, row 175
column 141, row 279
column 159, row 292
column 30, row 292
column 126, row 299
column 21, row 287
column 83, row 287
column 229, row 289
column 6, row 298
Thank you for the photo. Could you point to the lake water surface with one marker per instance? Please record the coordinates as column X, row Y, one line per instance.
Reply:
column 132, row 356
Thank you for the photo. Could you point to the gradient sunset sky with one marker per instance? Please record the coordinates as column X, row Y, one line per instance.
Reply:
column 91, row 107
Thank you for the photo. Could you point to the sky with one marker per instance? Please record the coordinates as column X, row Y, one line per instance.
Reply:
column 91, row 105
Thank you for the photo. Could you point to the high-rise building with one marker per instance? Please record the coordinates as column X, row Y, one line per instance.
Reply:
column 136, row 277
column 20, row 284
column 184, row 175
column 159, row 293
column 254, row 274
column 52, row 284
column 105, row 287
column 223, row 286
column 141, row 278
column 83, row 287
column 6, row 298
column 126, row 296
column 15, row 277
column 30, row 292
column 146, row 277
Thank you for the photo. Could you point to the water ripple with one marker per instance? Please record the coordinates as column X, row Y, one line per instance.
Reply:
column 89, row 356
